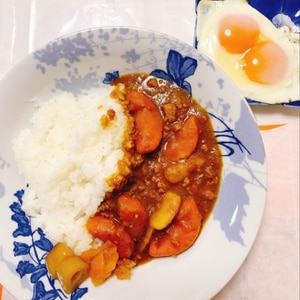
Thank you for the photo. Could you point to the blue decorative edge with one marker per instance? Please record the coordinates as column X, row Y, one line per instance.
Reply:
column 34, row 247
column 178, row 69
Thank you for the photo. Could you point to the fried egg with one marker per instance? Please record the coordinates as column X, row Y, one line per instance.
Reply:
column 261, row 59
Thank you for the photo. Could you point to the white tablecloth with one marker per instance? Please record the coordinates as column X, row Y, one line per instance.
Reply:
column 271, row 270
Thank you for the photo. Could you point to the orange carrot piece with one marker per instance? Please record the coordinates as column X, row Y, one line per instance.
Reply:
column 181, row 234
column 110, row 230
column 90, row 254
column 148, row 122
column 184, row 143
column 133, row 214
column 138, row 101
column 104, row 263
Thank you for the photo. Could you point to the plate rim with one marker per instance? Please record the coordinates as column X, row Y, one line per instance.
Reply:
column 146, row 31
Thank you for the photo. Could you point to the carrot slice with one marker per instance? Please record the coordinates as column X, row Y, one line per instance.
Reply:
column 184, row 143
column 89, row 254
column 133, row 214
column 181, row 234
column 104, row 263
column 148, row 122
column 110, row 230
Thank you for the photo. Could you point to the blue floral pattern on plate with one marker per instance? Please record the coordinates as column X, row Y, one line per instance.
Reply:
column 35, row 249
column 82, row 63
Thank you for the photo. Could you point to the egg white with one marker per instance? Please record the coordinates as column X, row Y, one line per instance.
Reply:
column 209, row 14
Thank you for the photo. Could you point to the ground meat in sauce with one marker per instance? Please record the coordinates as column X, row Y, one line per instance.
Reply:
column 196, row 176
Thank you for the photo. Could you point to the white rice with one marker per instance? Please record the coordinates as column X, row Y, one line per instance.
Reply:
column 66, row 156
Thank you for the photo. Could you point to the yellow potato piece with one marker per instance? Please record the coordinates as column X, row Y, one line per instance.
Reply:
column 176, row 172
column 71, row 272
column 168, row 209
column 55, row 257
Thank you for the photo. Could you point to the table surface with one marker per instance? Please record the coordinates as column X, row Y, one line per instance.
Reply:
column 271, row 270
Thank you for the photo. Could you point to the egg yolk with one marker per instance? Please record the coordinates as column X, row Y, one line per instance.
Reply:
column 237, row 33
column 265, row 63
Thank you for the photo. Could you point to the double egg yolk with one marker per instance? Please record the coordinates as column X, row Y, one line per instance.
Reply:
column 263, row 60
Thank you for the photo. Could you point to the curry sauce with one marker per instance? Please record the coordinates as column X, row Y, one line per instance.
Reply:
column 164, row 192
column 185, row 162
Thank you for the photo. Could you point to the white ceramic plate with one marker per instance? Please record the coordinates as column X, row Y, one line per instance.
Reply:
column 80, row 63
